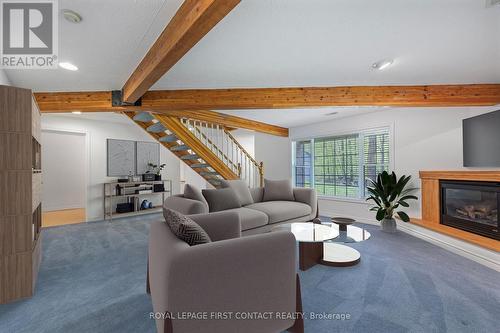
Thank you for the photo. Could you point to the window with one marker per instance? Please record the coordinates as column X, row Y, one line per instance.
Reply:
column 376, row 154
column 338, row 166
column 303, row 162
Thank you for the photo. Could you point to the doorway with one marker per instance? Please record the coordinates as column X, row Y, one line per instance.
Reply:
column 64, row 177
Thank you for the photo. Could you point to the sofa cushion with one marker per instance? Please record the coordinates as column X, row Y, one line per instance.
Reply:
column 241, row 188
column 257, row 194
column 185, row 228
column 250, row 218
column 278, row 190
column 193, row 193
column 221, row 199
column 279, row 211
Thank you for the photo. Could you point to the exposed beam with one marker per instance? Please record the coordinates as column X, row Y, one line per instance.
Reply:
column 281, row 98
column 85, row 101
column 228, row 120
column 99, row 102
column 193, row 20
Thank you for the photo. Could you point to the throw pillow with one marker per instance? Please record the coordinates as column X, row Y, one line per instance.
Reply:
column 275, row 190
column 242, row 191
column 193, row 193
column 221, row 199
column 185, row 228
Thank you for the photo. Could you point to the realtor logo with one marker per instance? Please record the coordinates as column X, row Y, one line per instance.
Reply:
column 29, row 34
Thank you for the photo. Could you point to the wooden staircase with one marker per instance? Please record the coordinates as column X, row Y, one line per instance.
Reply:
column 208, row 148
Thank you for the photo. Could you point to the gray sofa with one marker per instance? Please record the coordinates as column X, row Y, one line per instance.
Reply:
column 259, row 216
column 229, row 275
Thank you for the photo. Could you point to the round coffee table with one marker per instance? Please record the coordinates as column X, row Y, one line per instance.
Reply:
column 343, row 222
column 337, row 254
column 311, row 237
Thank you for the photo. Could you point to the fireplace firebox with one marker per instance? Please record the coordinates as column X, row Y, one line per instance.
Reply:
column 471, row 206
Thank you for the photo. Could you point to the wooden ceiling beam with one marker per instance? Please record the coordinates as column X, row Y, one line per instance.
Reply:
column 228, row 121
column 285, row 98
column 193, row 20
column 101, row 102
column 280, row 98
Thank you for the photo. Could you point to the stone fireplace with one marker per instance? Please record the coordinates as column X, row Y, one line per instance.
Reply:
column 471, row 206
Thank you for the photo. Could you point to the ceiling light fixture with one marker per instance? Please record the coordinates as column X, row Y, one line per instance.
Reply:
column 71, row 16
column 382, row 64
column 69, row 66
column 76, row 112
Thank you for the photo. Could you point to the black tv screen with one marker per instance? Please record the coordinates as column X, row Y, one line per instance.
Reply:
column 481, row 135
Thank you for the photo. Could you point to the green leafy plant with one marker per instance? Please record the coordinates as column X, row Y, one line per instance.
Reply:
column 156, row 169
column 389, row 193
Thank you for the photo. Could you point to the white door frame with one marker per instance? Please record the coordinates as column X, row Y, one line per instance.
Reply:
column 87, row 159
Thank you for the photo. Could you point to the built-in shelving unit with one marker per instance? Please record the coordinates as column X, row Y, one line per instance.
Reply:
column 132, row 193
column 20, row 193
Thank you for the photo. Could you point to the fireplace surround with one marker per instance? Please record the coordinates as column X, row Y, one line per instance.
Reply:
column 471, row 206
column 432, row 209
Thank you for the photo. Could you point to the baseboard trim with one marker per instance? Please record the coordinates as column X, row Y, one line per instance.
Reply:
column 478, row 254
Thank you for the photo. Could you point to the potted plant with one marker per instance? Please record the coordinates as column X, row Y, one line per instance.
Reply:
column 156, row 169
column 389, row 193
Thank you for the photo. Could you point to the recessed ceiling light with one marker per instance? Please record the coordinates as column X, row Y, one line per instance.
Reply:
column 382, row 64
column 69, row 66
column 76, row 112
column 71, row 16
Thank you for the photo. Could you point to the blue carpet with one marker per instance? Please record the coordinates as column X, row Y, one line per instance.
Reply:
column 92, row 279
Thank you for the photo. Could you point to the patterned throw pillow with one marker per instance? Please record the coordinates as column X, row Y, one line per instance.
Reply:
column 185, row 228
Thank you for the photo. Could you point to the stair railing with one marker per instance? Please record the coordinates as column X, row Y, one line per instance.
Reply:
column 222, row 143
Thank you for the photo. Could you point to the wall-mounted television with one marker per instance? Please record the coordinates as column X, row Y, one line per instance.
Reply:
column 481, row 137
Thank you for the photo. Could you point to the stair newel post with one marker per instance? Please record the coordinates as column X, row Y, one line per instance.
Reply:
column 261, row 174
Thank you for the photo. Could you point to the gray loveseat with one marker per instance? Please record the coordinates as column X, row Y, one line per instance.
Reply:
column 259, row 216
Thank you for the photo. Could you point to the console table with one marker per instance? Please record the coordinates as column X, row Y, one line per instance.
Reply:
column 132, row 192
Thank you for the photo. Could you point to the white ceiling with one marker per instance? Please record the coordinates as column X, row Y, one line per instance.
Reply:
column 107, row 45
column 297, row 117
column 111, row 117
column 268, row 43
column 277, row 43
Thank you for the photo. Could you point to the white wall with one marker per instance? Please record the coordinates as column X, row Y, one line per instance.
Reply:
column 246, row 139
column 189, row 176
column 113, row 126
column 423, row 139
column 275, row 152
column 4, row 80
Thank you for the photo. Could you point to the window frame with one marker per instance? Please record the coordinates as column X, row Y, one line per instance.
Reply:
column 361, row 134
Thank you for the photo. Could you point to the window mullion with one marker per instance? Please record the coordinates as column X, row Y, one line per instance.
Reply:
column 313, row 163
column 361, row 167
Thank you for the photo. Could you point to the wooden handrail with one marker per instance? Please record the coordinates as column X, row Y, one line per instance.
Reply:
column 188, row 123
column 242, row 149
column 213, row 145
column 259, row 166
column 184, row 134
